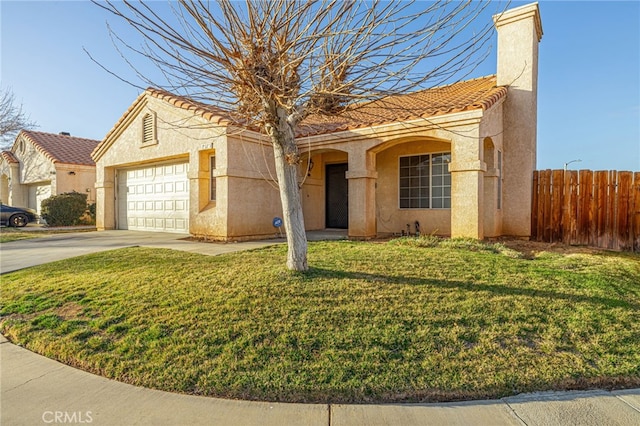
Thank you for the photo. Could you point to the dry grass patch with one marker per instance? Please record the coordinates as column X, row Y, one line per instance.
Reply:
column 8, row 235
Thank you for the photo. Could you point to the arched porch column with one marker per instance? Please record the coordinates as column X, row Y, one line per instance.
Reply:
column 467, row 188
column 362, row 178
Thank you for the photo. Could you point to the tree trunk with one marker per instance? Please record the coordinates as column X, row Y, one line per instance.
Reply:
column 287, row 159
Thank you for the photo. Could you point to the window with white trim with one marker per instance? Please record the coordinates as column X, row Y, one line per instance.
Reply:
column 425, row 181
column 212, row 178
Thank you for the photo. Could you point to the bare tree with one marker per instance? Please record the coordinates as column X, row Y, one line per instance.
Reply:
column 12, row 119
column 279, row 61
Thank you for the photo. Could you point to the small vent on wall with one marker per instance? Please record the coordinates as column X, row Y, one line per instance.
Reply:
column 147, row 129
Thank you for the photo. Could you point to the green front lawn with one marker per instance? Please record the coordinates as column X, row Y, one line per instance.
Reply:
column 406, row 320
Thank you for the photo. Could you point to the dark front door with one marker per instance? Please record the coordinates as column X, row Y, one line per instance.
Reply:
column 337, row 207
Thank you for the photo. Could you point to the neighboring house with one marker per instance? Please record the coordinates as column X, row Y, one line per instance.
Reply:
column 458, row 159
column 40, row 165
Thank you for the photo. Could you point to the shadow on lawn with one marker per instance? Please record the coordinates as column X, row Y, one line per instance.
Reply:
column 499, row 289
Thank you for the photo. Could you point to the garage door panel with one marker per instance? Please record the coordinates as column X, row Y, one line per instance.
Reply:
column 154, row 198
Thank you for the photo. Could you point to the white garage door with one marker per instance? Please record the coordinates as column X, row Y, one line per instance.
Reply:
column 154, row 198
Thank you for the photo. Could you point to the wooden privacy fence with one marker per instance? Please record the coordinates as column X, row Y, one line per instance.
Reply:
column 600, row 209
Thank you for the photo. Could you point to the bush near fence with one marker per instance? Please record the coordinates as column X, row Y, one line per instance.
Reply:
column 595, row 208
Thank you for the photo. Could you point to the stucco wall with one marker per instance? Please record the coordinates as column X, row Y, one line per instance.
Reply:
column 245, row 177
column 491, row 132
column 70, row 177
column 36, row 177
column 34, row 167
column 5, row 179
column 519, row 32
column 4, row 188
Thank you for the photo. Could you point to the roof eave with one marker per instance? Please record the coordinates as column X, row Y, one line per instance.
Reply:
column 399, row 128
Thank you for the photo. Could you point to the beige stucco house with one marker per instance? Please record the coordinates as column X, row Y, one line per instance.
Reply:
column 456, row 159
column 40, row 165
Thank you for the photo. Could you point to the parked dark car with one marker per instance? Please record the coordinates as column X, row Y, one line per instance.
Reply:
column 16, row 216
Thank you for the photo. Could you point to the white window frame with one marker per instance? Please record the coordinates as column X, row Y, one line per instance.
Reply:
column 430, row 187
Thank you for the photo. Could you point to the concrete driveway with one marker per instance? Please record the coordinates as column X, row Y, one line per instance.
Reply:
column 26, row 253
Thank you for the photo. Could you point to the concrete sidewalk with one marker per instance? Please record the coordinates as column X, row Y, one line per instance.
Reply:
column 36, row 390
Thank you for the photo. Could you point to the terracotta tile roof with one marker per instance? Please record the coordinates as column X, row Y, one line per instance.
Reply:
column 61, row 148
column 208, row 112
column 9, row 157
column 479, row 93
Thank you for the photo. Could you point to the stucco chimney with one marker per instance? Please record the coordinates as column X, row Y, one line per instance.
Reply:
column 519, row 32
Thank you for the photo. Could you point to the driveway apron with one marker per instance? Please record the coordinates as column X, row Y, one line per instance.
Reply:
column 26, row 253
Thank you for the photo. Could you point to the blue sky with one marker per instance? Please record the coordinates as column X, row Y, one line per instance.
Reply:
column 588, row 89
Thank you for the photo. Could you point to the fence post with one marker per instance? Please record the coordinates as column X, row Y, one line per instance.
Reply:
column 611, row 237
column 534, row 207
column 635, row 225
column 585, row 198
column 570, row 207
column 557, row 202
column 623, row 220
column 544, row 230
column 599, row 206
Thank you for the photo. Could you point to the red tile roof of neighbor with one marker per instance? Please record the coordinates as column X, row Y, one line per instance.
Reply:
column 62, row 148
column 9, row 157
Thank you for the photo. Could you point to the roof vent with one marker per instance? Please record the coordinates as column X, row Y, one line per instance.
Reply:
column 65, row 134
